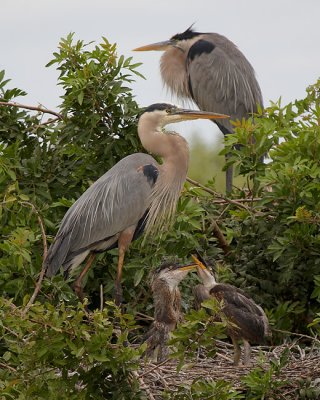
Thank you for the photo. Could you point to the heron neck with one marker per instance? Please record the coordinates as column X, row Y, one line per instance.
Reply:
column 174, row 151
column 173, row 71
column 171, row 147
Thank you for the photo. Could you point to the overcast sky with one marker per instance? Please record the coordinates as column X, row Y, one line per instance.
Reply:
column 281, row 39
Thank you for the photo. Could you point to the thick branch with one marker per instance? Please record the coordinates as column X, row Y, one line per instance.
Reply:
column 33, row 108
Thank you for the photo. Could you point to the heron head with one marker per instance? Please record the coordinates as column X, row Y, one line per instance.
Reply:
column 172, row 273
column 164, row 114
column 204, row 274
column 179, row 40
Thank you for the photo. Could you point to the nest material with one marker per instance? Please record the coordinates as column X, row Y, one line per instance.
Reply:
column 302, row 365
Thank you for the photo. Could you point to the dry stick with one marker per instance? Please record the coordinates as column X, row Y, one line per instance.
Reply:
column 219, row 195
column 48, row 122
column 7, row 367
column 33, row 108
column 143, row 385
column 153, row 368
column 101, row 297
column 45, row 250
column 298, row 334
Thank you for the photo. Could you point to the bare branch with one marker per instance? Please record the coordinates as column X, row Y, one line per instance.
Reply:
column 297, row 334
column 218, row 195
column 33, row 108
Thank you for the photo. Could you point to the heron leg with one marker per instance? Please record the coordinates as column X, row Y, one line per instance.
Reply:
column 124, row 240
column 229, row 175
column 247, row 352
column 237, row 351
column 77, row 286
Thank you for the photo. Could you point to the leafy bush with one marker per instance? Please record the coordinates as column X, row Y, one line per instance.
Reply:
column 65, row 353
column 264, row 238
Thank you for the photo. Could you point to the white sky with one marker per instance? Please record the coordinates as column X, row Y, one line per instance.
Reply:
column 281, row 38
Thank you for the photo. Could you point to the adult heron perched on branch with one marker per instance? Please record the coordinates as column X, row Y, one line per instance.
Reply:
column 135, row 194
column 210, row 70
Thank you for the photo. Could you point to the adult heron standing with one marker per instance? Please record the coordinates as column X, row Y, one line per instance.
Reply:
column 210, row 70
column 136, row 194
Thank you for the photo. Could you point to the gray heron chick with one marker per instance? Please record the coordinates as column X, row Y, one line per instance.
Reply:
column 167, row 306
column 136, row 194
column 249, row 322
column 210, row 70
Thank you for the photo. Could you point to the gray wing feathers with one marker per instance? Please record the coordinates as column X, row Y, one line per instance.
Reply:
column 224, row 81
column 117, row 200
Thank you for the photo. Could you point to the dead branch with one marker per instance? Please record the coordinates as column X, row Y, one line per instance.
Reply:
column 33, row 108
column 301, row 335
column 218, row 195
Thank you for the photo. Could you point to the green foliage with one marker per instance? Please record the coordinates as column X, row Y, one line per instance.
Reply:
column 50, row 164
column 199, row 329
column 205, row 390
column 276, row 242
column 65, row 353
column 263, row 384
column 270, row 225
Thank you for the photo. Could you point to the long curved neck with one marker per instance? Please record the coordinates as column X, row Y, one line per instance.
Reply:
column 174, row 151
column 171, row 147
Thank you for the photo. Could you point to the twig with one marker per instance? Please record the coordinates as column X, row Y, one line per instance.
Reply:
column 216, row 194
column 101, row 297
column 45, row 250
column 7, row 367
column 48, row 122
column 155, row 367
column 297, row 334
column 34, row 108
column 143, row 385
column 144, row 316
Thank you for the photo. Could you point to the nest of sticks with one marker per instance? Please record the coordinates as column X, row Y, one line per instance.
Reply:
column 303, row 365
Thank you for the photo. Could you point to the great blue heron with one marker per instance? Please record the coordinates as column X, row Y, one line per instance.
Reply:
column 135, row 194
column 167, row 306
column 249, row 322
column 210, row 70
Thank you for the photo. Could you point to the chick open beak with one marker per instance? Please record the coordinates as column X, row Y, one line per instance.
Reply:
column 198, row 263
column 188, row 267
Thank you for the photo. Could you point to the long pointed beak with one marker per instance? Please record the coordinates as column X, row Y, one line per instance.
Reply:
column 197, row 114
column 198, row 262
column 188, row 267
column 159, row 46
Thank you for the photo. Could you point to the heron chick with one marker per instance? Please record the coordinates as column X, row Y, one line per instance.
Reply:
column 167, row 306
column 135, row 194
column 248, row 320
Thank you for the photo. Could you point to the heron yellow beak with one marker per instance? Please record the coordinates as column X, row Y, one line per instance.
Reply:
column 159, row 46
column 188, row 267
column 198, row 262
column 197, row 114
